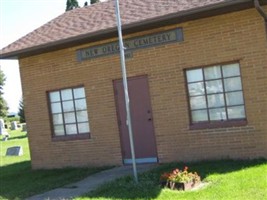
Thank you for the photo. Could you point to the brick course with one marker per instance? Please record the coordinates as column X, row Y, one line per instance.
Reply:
column 238, row 36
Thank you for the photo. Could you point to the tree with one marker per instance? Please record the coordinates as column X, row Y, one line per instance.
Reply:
column 3, row 103
column 72, row 4
column 21, row 111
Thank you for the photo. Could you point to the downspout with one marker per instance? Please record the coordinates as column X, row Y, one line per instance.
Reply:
column 261, row 12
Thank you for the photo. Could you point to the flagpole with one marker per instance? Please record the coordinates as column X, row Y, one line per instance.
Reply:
column 125, row 86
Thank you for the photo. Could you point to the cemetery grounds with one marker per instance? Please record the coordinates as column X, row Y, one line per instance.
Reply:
column 227, row 179
column 18, row 180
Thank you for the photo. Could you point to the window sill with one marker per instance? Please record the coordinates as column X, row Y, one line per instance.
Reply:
column 71, row 137
column 218, row 124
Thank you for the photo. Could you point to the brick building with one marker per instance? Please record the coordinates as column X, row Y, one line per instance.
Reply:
column 197, row 83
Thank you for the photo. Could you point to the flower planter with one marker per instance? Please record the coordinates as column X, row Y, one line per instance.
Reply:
column 180, row 179
column 179, row 186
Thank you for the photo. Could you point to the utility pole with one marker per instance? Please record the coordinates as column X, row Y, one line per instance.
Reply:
column 125, row 86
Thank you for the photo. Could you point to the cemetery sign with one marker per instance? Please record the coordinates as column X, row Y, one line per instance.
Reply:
column 175, row 35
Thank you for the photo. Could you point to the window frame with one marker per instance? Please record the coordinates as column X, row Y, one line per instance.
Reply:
column 214, row 123
column 65, row 137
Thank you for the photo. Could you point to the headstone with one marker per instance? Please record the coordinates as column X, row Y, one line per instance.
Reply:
column 14, row 151
column 24, row 128
column 2, row 126
column 5, row 138
column 14, row 125
column 3, row 130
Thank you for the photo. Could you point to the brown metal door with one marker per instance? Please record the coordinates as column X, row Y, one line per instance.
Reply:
column 142, row 121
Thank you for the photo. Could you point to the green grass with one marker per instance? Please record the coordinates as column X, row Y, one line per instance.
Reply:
column 18, row 181
column 17, row 138
column 228, row 180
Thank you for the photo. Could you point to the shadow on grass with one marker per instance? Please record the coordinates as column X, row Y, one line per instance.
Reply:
column 18, row 137
column 149, row 187
column 19, row 181
column 10, row 179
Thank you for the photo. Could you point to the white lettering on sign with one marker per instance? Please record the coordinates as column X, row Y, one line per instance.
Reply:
column 165, row 37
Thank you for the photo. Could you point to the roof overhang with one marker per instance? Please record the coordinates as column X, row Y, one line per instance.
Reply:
column 174, row 18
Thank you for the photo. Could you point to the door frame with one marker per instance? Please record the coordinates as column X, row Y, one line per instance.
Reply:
column 128, row 161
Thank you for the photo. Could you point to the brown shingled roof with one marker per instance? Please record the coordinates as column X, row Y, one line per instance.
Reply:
column 100, row 18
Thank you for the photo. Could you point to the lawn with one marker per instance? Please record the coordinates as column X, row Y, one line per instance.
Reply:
column 228, row 180
column 18, row 181
column 17, row 138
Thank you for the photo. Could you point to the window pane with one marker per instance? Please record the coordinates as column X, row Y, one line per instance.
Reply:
column 82, row 116
column 54, row 96
column 214, row 86
column 56, row 107
column 196, row 88
column 79, row 93
column 59, row 130
column 217, row 114
column 212, row 72
column 231, row 70
column 199, row 115
column 66, row 94
column 215, row 100
column 83, row 128
column 69, row 111
column 194, row 75
column 57, row 119
column 198, row 102
column 220, row 97
column 69, row 117
column 68, row 106
column 234, row 98
column 71, row 129
column 232, row 84
column 80, row 104
column 236, row 112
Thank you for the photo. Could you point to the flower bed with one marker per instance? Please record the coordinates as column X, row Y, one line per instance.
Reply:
column 180, row 179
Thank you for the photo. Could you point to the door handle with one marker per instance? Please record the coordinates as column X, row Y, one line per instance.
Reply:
column 149, row 119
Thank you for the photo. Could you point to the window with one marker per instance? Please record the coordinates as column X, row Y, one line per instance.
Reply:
column 215, row 94
column 69, row 112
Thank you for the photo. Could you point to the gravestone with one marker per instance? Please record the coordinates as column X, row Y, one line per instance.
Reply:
column 3, row 130
column 14, row 125
column 14, row 151
column 24, row 128
column 5, row 138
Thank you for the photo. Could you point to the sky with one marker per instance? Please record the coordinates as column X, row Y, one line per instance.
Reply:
column 18, row 18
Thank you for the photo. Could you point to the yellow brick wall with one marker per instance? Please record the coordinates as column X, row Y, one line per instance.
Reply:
column 238, row 36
